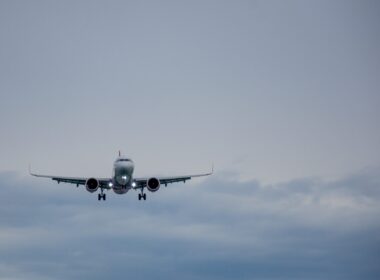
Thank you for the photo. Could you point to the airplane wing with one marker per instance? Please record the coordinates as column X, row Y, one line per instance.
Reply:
column 141, row 182
column 103, row 182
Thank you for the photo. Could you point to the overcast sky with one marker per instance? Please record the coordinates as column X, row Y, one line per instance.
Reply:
column 283, row 96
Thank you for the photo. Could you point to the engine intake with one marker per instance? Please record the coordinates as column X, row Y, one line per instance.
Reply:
column 92, row 185
column 153, row 184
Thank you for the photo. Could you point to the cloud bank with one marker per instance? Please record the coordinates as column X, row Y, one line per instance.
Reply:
column 218, row 229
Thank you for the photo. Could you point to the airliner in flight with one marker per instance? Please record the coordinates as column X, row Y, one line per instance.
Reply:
column 122, row 180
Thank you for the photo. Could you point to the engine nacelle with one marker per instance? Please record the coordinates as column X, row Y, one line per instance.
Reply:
column 153, row 184
column 92, row 185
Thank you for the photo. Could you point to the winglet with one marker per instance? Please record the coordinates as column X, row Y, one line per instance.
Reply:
column 119, row 153
column 30, row 169
column 31, row 172
column 212, row 168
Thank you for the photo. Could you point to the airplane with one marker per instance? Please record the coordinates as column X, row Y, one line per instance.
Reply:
column 122, row 180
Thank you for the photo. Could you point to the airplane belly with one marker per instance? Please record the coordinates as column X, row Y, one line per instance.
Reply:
column 120, row 190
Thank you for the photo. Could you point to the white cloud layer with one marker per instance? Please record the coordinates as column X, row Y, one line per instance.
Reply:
column 219, row 229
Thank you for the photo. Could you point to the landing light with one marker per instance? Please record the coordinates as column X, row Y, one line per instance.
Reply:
column 110, row 184
column 133, row 184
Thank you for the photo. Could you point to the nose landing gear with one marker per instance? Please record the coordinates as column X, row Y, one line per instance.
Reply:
column 101, row 195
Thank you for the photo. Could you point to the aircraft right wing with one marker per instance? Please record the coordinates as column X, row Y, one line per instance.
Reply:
column 141, row 182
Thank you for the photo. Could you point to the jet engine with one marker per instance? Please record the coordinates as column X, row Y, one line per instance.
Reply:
column 92, row 185
column 153, row 184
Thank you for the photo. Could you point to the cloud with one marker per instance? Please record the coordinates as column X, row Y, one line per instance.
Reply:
column 219, row 228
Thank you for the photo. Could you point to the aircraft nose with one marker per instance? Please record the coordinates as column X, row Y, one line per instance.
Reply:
column 122, row 180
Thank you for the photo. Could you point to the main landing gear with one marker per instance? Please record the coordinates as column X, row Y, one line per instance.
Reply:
column 101, row 195
column 142, row 196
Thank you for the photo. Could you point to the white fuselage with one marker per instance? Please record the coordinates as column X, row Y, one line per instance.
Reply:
column 122, row 177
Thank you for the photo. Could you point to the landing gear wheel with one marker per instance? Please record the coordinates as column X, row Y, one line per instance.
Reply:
column 101, row 196
column 144, row 196
column 139, row 196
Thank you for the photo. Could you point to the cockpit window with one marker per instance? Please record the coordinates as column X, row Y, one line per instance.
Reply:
column 124, row 159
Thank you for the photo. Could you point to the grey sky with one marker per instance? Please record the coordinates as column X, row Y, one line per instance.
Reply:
column 271, row 89
column 282, row 95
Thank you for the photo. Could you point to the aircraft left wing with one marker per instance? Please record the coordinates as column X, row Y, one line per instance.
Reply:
column 103, row 182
